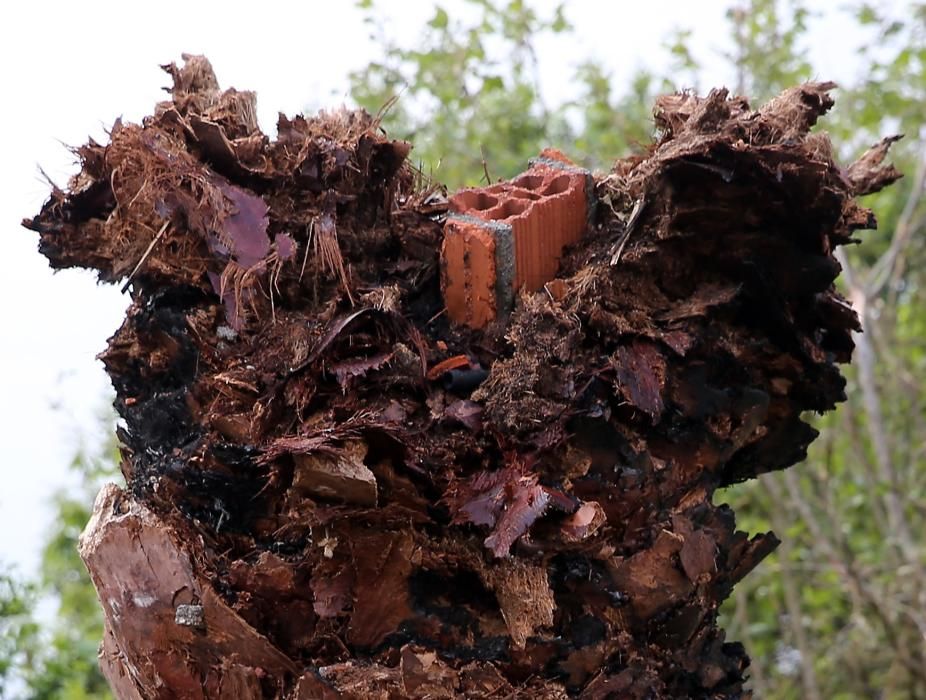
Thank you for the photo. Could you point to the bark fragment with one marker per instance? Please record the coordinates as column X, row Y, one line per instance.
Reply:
column 342, row 476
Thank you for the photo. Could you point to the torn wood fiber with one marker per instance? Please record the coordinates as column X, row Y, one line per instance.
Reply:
column 338, row 493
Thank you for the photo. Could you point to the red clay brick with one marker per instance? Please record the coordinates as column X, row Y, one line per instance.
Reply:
column 510, row 236
column 468, row 273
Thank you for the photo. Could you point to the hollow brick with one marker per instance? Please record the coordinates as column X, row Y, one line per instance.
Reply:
column 510, row 236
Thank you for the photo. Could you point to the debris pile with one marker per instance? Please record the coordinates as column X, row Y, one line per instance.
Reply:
column 334, row 489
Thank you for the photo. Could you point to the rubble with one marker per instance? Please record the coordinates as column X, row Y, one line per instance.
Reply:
column 336, row 489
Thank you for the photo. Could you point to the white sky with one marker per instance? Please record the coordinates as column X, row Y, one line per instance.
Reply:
column 70, row 68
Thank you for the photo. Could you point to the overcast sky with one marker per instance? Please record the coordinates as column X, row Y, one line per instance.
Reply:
column 70, row 68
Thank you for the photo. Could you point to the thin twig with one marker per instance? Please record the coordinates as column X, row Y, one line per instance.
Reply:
column 618, row 249
column 794, row 608
column 387, row 107
column 884, row 270
column 436, row 316
column 308, row 244
column 144, row 257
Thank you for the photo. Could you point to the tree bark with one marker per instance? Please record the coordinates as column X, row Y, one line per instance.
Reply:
column 335, row 491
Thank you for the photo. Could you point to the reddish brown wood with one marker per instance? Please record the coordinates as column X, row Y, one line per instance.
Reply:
column 308, row 514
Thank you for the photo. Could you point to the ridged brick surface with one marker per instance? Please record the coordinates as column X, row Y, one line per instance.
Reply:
column 468, row 258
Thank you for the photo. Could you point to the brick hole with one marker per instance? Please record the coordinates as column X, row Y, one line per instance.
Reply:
column 472, row 200
column 528, row 182
column 510, row 208
column 557, row 185
column 525, row 194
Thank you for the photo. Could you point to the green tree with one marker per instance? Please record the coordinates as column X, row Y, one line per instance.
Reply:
column 17, row 629
column 611, row 124
column 769, row 54
column 58, row 660
column 468, row 94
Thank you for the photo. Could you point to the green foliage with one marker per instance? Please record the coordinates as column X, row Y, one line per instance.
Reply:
column 58, row 661
column 468, row 96
column 611, row 125
column 17, row 628
column 469, row 89
column 769, row 56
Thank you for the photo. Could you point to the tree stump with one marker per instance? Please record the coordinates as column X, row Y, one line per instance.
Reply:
column 335, row 490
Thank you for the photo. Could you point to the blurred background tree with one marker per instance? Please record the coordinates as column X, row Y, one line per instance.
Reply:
column 17, row 629
column 52, row 654
column 840, row 610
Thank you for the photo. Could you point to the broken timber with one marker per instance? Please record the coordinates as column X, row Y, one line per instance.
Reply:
column 336, row 490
